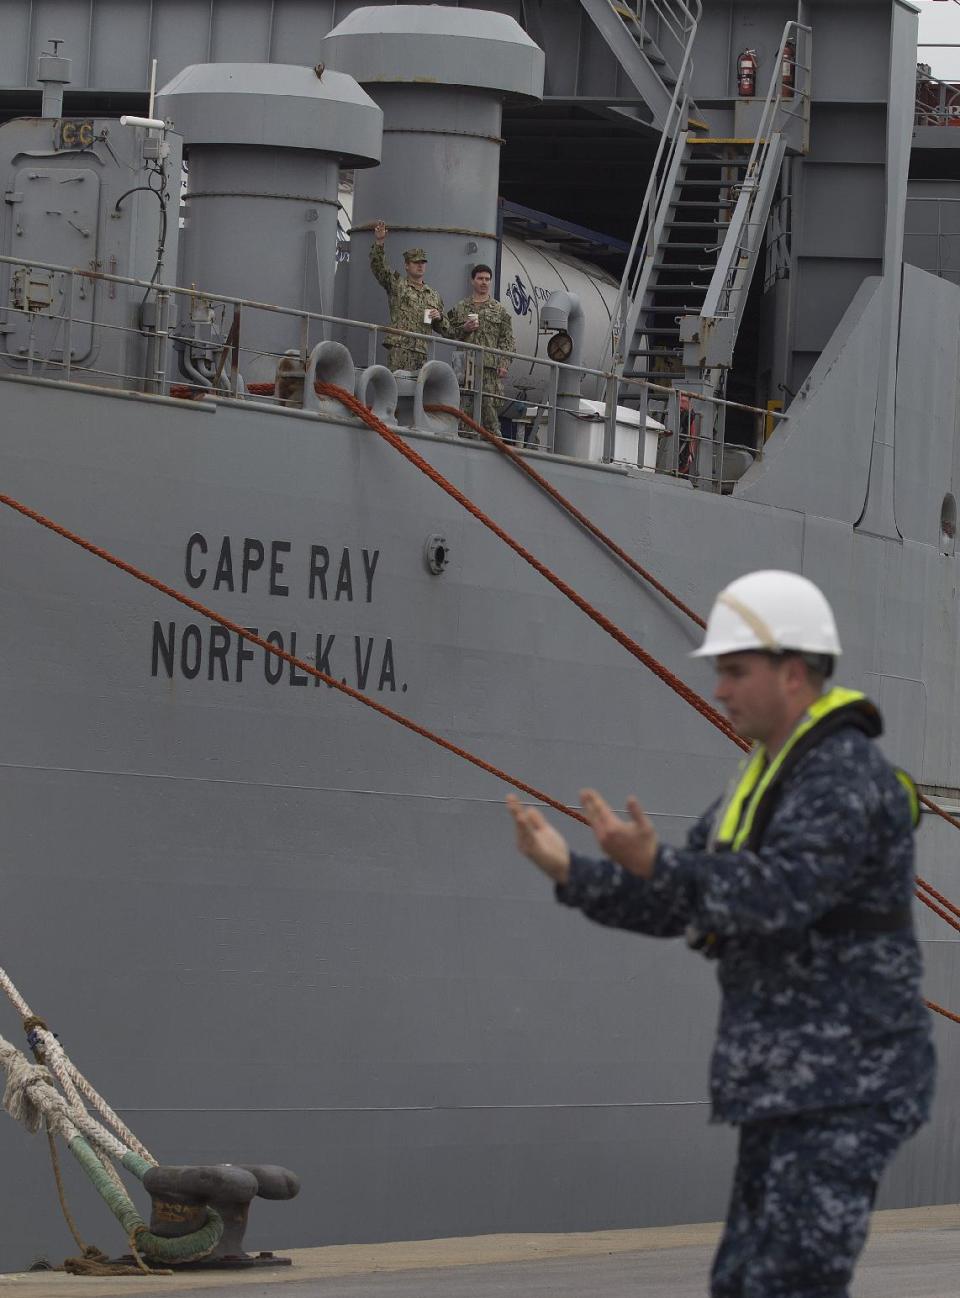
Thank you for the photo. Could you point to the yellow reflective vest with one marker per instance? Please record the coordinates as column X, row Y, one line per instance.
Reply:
column 745, row 813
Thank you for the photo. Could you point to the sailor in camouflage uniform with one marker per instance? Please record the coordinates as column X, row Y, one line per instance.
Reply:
column 798, row 882
column 491, row 329
column 410, row 299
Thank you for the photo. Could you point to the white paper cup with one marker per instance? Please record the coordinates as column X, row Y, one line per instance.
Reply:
column 473, row 318
column 428, row 317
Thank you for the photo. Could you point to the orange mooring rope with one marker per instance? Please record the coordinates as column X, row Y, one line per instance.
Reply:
column 932, row 905
column 927, row 887
column 938, row 1009
column 922, row 889
column 922, row 886
column 368, row 417
column 668, row 677
column 526, row 467
column 266, row 645
column 944, row 815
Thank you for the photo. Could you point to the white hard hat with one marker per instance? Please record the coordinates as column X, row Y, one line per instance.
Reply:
column 770, row 610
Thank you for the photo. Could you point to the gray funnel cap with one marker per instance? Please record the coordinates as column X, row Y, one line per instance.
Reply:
column 265, row 143
column 275, row 106
column 430, row 45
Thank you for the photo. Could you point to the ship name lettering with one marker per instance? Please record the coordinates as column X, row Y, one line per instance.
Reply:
column 216, row 654
column 232, row 564
column 320, row 566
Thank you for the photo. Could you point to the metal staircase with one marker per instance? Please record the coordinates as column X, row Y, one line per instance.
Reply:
column 699, row 239
column 678, row 274
column 651, row 40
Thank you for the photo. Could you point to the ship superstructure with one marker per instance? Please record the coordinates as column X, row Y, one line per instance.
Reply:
column 275, row 926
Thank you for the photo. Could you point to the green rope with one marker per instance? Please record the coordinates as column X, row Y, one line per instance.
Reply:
column 185, row 1248
column 135, row 1164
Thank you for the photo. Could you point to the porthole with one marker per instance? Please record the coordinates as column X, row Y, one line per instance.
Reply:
column 436, row 552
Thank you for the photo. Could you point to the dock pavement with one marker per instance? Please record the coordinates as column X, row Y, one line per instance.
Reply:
column 912, row 1253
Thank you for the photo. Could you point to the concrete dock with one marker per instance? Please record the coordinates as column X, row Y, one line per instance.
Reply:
column 913, row 1253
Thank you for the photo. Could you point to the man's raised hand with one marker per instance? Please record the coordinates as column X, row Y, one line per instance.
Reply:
column 631, row 843
column 539, row 841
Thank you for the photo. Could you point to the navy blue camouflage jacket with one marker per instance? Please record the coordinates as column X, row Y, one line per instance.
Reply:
column 809, row 1020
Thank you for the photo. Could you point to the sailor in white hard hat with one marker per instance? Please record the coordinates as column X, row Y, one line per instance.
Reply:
column 774, row 640
column 798, row 881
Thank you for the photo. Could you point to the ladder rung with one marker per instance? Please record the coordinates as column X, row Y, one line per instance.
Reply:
column 706, row 184
column 742, row 140
column 694, row 225
column 703, row 202
column 656, row 351
column 681, row 265
column 652, row 374
column 679, row 288
column 659, row 331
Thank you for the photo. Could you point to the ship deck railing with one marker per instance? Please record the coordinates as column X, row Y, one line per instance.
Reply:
column 548, row 392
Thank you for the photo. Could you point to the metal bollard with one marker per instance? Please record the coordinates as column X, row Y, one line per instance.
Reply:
column 180, row 1197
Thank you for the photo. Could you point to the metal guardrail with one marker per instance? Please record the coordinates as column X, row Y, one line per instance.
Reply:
column 552, row 390
column 677, row 17
column 937, row 101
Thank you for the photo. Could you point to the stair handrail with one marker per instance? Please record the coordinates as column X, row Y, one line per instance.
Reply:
column 677, row 16
column 627, row 31
column 724, row 280
column 626, row 310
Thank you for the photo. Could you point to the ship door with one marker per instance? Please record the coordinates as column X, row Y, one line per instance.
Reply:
column 54, row 215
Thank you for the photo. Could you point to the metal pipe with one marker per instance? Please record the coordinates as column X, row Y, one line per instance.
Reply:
column 235, row 351
column 68, row 329
column 53, row 73
column 610, row 421
column 552, row 397
column 151, row 123
column 160, row 339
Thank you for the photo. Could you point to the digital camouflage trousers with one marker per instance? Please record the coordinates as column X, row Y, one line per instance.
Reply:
column 491, row 403
column 800, row 1207
column 406, row 356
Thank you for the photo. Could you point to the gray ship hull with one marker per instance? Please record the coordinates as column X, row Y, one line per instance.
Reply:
column 273, row 926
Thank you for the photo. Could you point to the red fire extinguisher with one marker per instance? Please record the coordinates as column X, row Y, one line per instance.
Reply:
column 788, row 70
column 747, row 66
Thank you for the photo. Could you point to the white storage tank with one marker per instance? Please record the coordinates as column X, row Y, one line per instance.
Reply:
column 528, row 275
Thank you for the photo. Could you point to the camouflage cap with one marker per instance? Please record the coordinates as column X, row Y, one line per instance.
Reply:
column 414, row 254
